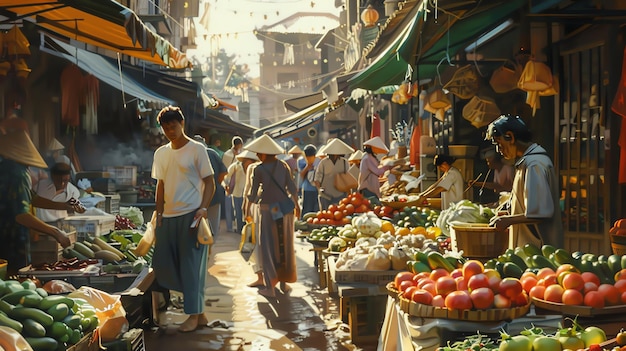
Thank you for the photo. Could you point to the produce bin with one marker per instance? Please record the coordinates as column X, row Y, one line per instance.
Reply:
column 478, row 240
column 111, row 204
column 90, row 226
column 125, row 176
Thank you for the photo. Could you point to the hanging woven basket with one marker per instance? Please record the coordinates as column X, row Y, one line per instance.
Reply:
column 505, row 78
column 536, row 76
column 480, row 111
column 464, row 83
column 438, row 99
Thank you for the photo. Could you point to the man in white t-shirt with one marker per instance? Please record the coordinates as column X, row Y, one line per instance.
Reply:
column 230, row 157
column 450, row 185
column 58, row 189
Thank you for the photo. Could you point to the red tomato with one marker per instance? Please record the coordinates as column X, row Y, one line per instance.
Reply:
column 543, row 272
column 425, row 281
column 620, row 285
column 377, row 208
column 409, row 292
column 477, row 281
column 430, row 287
column 421, row 275
column 422, row 296
column 612, row 296
column 510, row 287
column 332, row 208
column 471, row 267
column 366, row 202
column 458, row 300
column 528, row 283
column 438, row 273
column 501, row 301
column 528, row 274
column 350, row 209
column 338, row 215
column 494, row 283
column 438, row 301
column 362, row 208
column 406, row 284
column 482, row 298
column 520, row 300
column 461, row 284
column 621, row 275
column 572, row 297
column 589, row 286
column 623, row 298
column 566, row 268
column 573, row 280
column 537, row 292
column 594, row 299
column 445, row 285
column 591, row 277
column 402, row 276
column 457, row 272
column 554, row 293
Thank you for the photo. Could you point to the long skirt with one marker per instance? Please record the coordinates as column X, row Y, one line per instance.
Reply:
column 277, row 248
column 179, row 262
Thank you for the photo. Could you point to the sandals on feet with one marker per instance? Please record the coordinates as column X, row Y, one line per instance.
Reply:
column 286, row 289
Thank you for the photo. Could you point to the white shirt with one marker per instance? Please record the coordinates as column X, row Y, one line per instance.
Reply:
column 452, row 181
column 46, row 189
column 236, row 170
column 182, row 171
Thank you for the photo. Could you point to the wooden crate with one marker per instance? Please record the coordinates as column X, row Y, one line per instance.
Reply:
column 365, row 316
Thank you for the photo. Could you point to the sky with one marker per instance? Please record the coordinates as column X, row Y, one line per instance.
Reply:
column 231, row 25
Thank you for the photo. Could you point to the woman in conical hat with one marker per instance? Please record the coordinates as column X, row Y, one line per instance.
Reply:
column 17, row 153
column 275, row 191
column 370, row 168
column 355, row 162
column 330, row 166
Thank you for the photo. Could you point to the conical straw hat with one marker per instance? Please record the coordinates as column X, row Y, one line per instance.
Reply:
column 377, row 145
column 18, row 147
column 320, row 151
column 247, row 154
column 295, row 150
column 264, row 145
column 356, row 156
column 55, row 145
column 337, row 147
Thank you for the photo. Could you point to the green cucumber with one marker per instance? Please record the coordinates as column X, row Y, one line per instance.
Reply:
column 518, row 261
column 59, row 311
column 531, row 250
column 15, row 297
column 83, row 249
column 7, row 321
column 615, row 263
column 57, row 330
column 43, row 344
column 510, row 269
column 436, row 260
column 5, row 307
column 72, row 321
column 52, row 300
column 33, row 329
column 41, row 292
column 31, row 300
column 39, row 316
column 542, row 262
column 28, row 284
column 546, row 250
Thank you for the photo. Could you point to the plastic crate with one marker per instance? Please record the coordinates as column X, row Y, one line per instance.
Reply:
column 91, row 226
column 132, row 340
column 125, row 176
column 111, row 204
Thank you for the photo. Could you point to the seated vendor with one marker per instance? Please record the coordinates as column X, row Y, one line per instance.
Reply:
column 58, row 189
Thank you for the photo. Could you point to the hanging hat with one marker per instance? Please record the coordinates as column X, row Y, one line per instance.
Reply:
column 505, row 78
column 337, row 147
column 295, row 150
column 464, row 82
column 247, row 154
column 377, row 145
column 356, row 156
column 55, row 145
column 264, row 145
column 18, row 147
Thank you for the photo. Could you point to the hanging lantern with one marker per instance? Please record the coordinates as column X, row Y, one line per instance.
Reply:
column 369, row 16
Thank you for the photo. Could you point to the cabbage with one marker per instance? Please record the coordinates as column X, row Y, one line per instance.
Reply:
column 134, row 214
column 463, row 211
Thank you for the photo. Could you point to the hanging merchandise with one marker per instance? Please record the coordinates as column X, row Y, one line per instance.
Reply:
column 437, row 102
column 536, row 78
column 505, row 78
column 91, row 89
column 464, row 82
column 619, row 107
column 288, row 55
column 481, row 110
column 16, row 43
column 71, row 78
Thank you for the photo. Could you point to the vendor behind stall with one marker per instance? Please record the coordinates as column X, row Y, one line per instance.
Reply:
column 59, row 189
column 450, row 185
column 17, row 153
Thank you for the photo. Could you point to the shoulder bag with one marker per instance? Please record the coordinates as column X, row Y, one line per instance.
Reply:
column 345, row 181
column 280, row 208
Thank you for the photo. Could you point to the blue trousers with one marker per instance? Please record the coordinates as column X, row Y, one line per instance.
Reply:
column 179, row 262
column 238, row 207
column 228, row 212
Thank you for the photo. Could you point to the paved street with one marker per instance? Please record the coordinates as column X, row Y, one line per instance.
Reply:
column 241, row 319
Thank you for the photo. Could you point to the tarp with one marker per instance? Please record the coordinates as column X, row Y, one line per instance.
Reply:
column 102, row 69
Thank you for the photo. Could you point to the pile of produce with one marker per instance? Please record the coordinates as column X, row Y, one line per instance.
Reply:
column 48, row 322
column 535, row 339
column 463, row 211
column 341, row 213
column 557, row 276
column 466, row 288
column 619, row 227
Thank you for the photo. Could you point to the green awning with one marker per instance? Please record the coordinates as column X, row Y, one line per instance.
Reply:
column 428, row 42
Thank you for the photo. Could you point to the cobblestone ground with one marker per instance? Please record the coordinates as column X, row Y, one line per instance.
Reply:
column 241, row 319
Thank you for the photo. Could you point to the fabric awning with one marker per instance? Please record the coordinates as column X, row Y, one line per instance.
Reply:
column 426, row 43
column 296, row 122
column 102, row 69
column 102, row 23
column 223, row 123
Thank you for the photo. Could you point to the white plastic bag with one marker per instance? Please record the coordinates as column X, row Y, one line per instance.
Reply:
column 148, row 239
column 111, row 314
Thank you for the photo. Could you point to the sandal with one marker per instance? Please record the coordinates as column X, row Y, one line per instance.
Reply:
column 256, row 284
column 286, row 289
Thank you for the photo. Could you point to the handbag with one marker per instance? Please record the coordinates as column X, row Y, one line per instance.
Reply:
column 148, row 239
column 248, row 240
column 345, row 181
column 205, row 234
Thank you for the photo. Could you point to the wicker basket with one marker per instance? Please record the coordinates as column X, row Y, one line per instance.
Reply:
column 398, row 205
column 479, row 240
column 489, row 315
column 618, row 249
